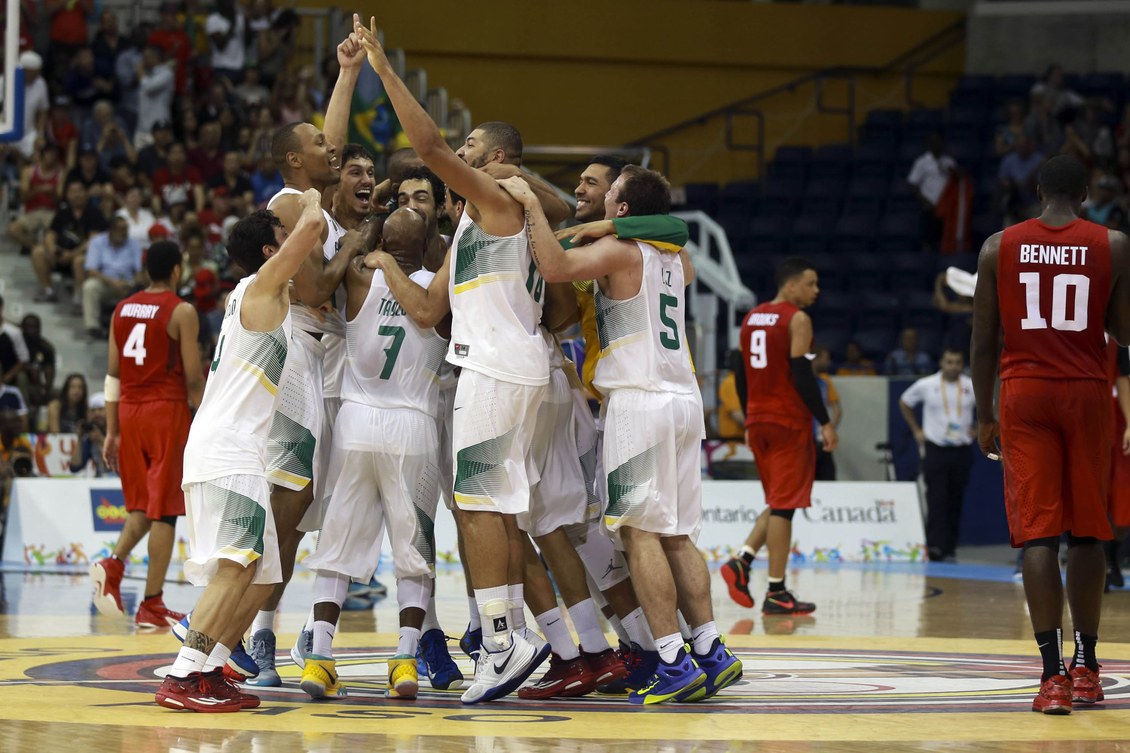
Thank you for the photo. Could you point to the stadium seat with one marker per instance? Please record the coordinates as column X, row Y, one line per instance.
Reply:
column 899, row 233
column 792, row 153
column 918, row 311
column 834, row 271
column 831, row 163
column 834, row 337
column 739, row 196
column 702, row 196
column 877, row 309
column 910, row 272
column 768, row 235
column 854, row 233
column 931, row 117
column 868, row 271
column 876, row 343
column 810, row 234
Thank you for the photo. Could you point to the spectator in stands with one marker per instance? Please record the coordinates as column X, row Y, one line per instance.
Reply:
column 821, row 365
column 263, row 123
column 274, row 44
column 108, row 41
column 86, row 458
column 252, row 94
column 127, row 69
column 1052, row 90
column 90, row 173
column 290, row 100
column 113, row 269
column 137, row 216
column 226, row 31
column 62, row 131
column 195, row 249
column 944, row 440
column 15, row 450
column 108, row 133
column 266, row 181
column 1103, row 206
column 178, row 182
column 907, row 359
column 928, row 177
column 189, row 127
column 1011, row 130
column 123, row 177
column 1017, row 177
column 236, row 184
column 155, row 83
column 208, row 157
column 67, row 412
column 171, row 38
column 1089, row 139
column 958, row 310
column 86, row 82
column 731, row 411
column 205, row 296
column 1045, row 128
column 41, row 186
column 37, row 102
column 13, row 350
column 39, row 376
column 153, row 157
column 64, row 245
column 854, row 363
column 69, row 32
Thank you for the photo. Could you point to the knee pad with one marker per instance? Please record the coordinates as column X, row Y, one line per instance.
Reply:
column 1049, row 542
column 786, row 514
column 602, row 562
column 1074, row 541
column 413, row 591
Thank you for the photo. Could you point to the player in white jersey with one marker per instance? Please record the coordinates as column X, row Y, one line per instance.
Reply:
column 232, row 540
column 495, row 298
column 384, row 464
column 653, row 428
column 307, row 158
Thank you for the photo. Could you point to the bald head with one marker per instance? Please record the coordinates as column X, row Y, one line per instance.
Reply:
column 405, row 236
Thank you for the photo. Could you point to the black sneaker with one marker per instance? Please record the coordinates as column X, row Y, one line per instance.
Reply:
column 736, row 574
column 784, row 602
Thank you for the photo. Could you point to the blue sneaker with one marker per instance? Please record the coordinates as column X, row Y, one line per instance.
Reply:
column 472, row 642
column 641, row 667
column 302, row 648
column 240, row 663
column 180, row 630
column 722, row 670
column 671, row 682
column 377, row 589
column 436, row 661
column 263, row 652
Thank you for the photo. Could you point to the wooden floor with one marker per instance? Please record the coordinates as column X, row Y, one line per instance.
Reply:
column 896, row 658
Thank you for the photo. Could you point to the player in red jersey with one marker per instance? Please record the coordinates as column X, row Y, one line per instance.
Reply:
column 1048, row 288
column 782, row 399
column 154, row 373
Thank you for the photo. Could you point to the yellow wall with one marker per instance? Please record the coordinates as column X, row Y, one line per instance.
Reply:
column 590, row 72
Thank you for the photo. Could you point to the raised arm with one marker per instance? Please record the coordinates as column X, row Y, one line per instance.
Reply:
column 425, row 306
column 478, row 187
column 350, row 57
column 269, row 289
column 984, row 350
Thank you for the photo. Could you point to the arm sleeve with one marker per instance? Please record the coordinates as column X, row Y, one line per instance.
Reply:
column 660, row 230
column 805, row 380
column 1123, row 358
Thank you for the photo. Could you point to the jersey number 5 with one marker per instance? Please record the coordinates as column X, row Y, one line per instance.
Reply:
column 1060, row 286
column 670, row 336
column 135, row 344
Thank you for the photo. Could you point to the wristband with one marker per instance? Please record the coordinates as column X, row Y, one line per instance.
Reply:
column 112, row 387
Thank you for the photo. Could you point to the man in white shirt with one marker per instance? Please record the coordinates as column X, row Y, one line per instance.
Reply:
column 928, row 177
column 944, row 437
column 225, row 29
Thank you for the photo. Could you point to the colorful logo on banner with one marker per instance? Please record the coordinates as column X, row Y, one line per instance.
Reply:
column 109, row 509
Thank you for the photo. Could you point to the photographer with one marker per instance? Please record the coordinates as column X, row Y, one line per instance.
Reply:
column 86, row 459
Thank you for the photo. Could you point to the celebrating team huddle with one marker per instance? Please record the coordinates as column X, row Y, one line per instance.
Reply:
column 368, row 367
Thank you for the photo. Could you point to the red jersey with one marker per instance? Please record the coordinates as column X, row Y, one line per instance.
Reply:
column 46, row 198
column 1054, row 286
column 149, row 361
column 766, row 350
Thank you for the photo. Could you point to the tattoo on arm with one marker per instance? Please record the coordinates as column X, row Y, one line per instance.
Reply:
column 530, row 235
column 197, row 640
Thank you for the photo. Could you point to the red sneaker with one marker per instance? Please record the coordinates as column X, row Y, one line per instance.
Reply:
column 1054, row 696
column 785, row 602
column 154, row 614
column 736, row 574
column 565, row 679
column 1086, row 686
column 607, row 666
column 194, row 693
column 106, row 575
column 223, row 687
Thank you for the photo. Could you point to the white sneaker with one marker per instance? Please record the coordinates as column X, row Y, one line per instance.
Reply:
column 302, row 648
column 500, row 673
column 541, row 645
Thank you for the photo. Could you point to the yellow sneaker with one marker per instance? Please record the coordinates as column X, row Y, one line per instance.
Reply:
column 402, row 678
column 320, row 680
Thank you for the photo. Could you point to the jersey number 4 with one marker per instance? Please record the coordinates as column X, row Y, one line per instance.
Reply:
column 135, row 344
column 1061, row 284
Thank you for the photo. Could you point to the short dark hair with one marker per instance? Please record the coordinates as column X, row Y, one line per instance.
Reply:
column 455, row 197
column 161, row 259
column 789, row 269
column 249, row 235
column 503, row 136
column 421, row 172
column 644, row 191
column 614, row 164
column 1063, row 176
column 285, row 141
column 355, row 151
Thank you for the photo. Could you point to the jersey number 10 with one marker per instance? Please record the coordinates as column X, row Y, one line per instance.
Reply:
column 1060, row 286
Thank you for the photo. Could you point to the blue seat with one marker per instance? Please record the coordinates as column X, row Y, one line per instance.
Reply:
column 877, row 309
column 866, row 206
column 881, row 126
column 768, row 235
column 793, row 153
column 739, row 195
column 778, row 206
column 911, row 273
column 874, row 153
column 899, row 233
column 825, row 207
column 876, row 343
column 831, row 163
column 833, row 269
column 736, row 225
column 834, row 337
column 869, row 271
column 866, row 186
column 1014, row 86
column 910, row 151
column 833, row 306
column 703, row 196
column 930, row 117
column 969, row 115
column 788, row 171
column 903, row 203
column 1110, row 84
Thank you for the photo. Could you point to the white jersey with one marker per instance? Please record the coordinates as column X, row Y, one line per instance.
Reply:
column 643, row 342
column 391, row 362
column 229, row 434
column 496, row 301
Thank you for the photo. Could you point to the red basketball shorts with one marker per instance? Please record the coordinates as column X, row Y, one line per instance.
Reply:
column 786, row 461
column 151, row 458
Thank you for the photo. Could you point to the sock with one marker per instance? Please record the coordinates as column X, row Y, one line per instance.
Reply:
column 776, row 584
column 324, row 639
column 553, row 627
column 1051, row 651
column 516, row 596
column 493, row 608
column 1085, row 651
column 218, row 657
column 431, row 622
column 189, row 660
column 684, row 628
column 669, row 646
column 636, row 625
column 473, row 605
column 154, row 596
column 748, row 554
column 409, row 641
column 263, row 621
column 587, row 624
column 704, row 637
column 618, row 628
